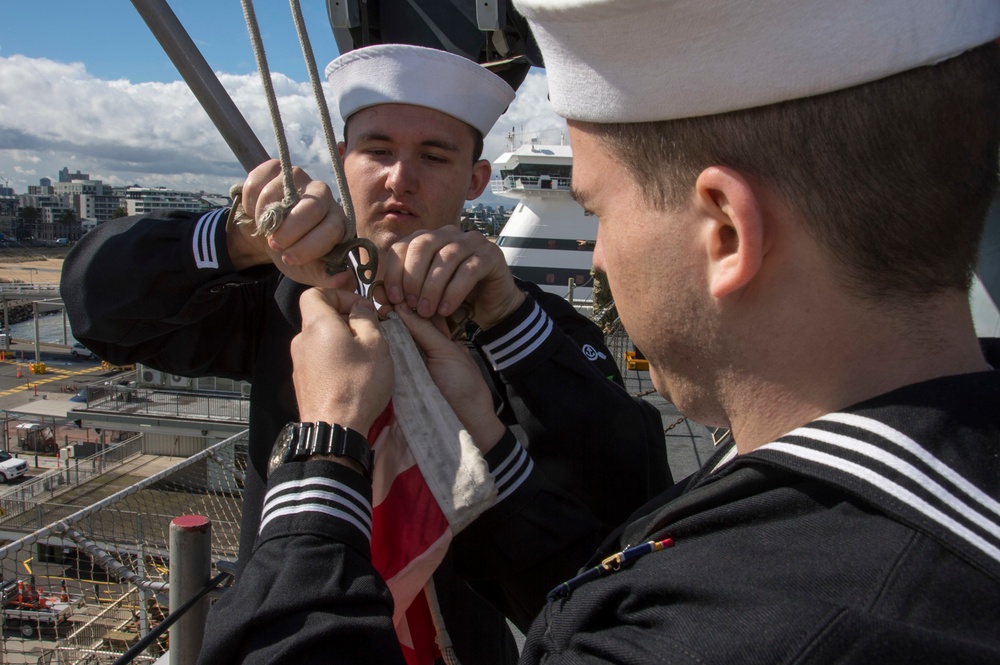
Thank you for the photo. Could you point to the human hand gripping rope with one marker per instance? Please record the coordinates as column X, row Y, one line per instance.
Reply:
column 337, row 259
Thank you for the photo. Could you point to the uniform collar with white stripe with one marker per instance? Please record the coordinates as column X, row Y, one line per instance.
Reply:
column 935, row 476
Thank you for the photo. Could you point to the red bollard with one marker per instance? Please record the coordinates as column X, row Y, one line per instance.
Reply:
column 36, row 389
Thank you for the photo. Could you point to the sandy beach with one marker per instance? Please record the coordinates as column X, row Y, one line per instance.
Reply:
column 39, row 271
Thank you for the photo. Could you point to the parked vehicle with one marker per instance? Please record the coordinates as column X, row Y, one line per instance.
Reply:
column 78, row 350
column 36, row 438
column 28, row 607
column 11, row 467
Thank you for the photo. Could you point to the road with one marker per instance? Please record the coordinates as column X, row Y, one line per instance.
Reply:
column 64, row 376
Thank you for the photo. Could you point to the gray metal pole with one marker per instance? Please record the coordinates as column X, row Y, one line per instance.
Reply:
column 144, row 594
column 6, row 321
column 34, row 314
column 191, row 65
column 190, row 568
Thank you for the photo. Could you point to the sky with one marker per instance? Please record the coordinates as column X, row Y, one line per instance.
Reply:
column 85, row 85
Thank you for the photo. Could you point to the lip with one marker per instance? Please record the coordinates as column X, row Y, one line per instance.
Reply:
column 398, row 211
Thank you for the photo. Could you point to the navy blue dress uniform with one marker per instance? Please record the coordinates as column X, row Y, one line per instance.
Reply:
column 161, row 290
column 808, row 549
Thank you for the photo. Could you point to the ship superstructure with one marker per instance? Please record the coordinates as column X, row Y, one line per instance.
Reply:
column 549, row 239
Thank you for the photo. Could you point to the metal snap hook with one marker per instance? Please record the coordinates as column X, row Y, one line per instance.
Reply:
column 337, row 261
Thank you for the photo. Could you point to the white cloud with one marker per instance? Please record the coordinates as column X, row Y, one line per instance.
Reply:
column 55, row 114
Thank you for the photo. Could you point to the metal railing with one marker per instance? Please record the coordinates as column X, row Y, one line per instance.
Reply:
column 113, row 553
column 43, row 489
column 162, row 402
column 21, row 287
column 529, row 183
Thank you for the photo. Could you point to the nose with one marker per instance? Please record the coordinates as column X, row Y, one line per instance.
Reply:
column 402, row 177
column 598, row 259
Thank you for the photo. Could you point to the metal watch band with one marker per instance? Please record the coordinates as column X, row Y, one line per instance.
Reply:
column 322, row 438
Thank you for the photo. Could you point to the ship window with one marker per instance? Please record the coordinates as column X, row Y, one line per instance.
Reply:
column 550, row 278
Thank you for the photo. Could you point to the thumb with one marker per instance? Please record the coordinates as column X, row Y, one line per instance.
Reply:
column 363, row 321
column 427, row 335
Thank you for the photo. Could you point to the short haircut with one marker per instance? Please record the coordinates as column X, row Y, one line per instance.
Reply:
column 894, row 177
column 477, row 140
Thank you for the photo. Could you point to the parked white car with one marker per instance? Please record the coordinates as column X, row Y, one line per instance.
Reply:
column 78, row 350
column 11, row 467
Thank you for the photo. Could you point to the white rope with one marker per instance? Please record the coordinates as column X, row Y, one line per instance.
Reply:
column 275, row 213
column 445, row 645
column 324, row 116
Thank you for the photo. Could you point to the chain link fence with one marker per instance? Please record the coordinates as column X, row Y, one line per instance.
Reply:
column 84, row 560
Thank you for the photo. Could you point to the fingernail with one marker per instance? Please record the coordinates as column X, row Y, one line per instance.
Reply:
column 425, row 308
column 395, row 294
column 411, row 301
column 444, row 309
column 289, row 259
column 364, row 305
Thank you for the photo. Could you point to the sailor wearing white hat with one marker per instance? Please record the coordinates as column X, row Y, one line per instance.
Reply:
column 790, row 195
column 409, row 112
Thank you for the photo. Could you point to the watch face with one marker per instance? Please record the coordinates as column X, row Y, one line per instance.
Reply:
column 281, row 444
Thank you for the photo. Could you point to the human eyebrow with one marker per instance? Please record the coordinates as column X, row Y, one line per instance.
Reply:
column 441, row 144
column 373, row 136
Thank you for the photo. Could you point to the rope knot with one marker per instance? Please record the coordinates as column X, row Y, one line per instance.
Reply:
column 272, row 217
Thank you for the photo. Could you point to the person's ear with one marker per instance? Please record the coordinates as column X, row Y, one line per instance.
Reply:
column 481, row 172
column 734, row 233
column 341, row 148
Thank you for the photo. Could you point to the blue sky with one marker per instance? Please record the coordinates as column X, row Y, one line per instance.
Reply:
column 85, row 85
column 111, row 38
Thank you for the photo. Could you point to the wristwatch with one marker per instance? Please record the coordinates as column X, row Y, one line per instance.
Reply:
column 298, row 441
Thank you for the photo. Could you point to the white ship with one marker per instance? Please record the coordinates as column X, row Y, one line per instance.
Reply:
column 549, row 239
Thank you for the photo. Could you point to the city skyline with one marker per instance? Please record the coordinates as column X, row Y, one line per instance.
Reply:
column 499, row 202
column 90, row 89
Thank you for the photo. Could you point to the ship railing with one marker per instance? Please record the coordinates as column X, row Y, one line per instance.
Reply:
column 27, row 496
column 112, row 553
column 24, row 288
column 125, row 397
column 529, row 183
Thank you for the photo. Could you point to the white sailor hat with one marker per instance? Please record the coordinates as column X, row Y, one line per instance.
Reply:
column 405, row 74
column 647, row 60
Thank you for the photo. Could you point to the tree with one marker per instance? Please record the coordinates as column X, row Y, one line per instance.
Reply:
column 26, row 222
column 119, row 212
column 64, row 226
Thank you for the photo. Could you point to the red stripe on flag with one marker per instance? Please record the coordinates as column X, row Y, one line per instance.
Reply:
column 381, row 422
column 405, row 524
column 421, row 627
